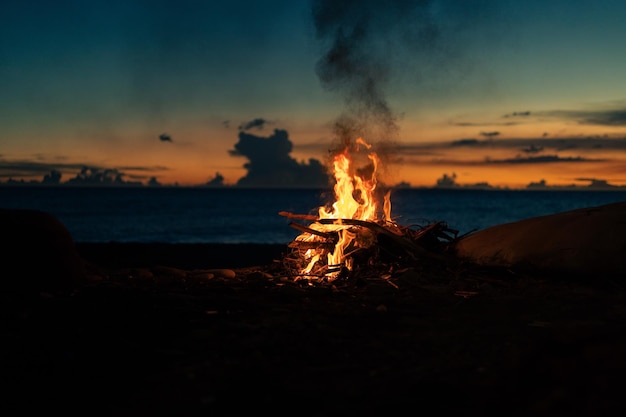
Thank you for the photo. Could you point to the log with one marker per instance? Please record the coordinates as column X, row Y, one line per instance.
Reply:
column 300, row 244
column 289, row 215
column 411, row 248
column 304, row 229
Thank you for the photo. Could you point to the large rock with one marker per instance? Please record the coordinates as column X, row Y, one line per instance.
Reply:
column 37, row 253
column 588, row 242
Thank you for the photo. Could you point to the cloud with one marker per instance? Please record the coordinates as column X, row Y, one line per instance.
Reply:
column 532, row 148
column 466, row 142
column 527, row 145
column 517, row 114
column 216, row 181
column 28, row 168
column 270, row 165
column 482, row 124
column 51, row 173
column 97, row 176
column 542, row 159
column 594, row 184
column 490, row 135
column 257, row 123
column 54, row 177
column 600, row 117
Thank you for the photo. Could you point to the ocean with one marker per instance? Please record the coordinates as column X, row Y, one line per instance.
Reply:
column 235, row 215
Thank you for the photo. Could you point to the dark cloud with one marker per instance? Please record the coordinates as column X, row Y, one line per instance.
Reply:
column 524, row 144
column 216, row 181
column 465, row 142
column 490, row 135
column 257, row 123
column 543, row 159
column 54, row 177
column 51, row 173
column 519, row 160
column 164, row 137
column 270, row 165
column 611, row 117
column 532, row 148
column 596, row 183
column 27, row 168
column 97, row 176
column 602, row 117
column 606, row 118
column 483, row 124
column 153, row 182
column 449, row 181
column 518, row 114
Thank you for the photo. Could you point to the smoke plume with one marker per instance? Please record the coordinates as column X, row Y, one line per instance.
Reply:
column 362, row 41
column 371, row 48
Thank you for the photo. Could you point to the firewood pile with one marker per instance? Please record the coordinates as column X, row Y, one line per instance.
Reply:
column 376, row 247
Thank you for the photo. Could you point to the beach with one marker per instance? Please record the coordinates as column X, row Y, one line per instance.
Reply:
column 165, row 330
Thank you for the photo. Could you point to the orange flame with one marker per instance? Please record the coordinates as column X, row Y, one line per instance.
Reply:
column 355, row 199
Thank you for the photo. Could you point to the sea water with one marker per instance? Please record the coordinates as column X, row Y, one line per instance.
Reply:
column 237, row 215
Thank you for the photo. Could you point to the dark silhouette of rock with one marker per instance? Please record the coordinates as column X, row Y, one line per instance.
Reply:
column 37, row 253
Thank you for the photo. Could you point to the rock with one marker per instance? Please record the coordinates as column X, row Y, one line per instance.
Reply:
column 37, row 253
column 588, row 242
column 222, row 273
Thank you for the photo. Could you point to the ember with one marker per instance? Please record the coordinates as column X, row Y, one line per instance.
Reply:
column 356, row 227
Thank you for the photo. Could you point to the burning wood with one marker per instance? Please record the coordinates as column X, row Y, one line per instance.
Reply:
column 373, row 244
column 354, row 232
column 304, row 229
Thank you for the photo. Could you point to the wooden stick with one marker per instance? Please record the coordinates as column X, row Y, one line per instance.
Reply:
column 304, row 229
column 375, row 227
column 300, row 244
column 411, row 248
column 298, row 216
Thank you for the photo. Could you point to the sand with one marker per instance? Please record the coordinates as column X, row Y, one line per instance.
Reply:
column 164, row 330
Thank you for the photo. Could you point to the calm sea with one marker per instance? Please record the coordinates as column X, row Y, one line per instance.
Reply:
column 232, row 215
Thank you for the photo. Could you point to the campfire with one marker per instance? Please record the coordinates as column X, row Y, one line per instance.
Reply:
column 357, row 230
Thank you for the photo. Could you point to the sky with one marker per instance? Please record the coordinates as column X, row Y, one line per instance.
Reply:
column 250, row 93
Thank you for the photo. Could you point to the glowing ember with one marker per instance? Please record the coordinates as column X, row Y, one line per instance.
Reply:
column 355, row 199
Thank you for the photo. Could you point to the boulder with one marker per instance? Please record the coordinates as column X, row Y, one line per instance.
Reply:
column 587, row 243
column 37, row 253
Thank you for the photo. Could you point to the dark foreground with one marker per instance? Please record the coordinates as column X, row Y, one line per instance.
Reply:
column 157, row 332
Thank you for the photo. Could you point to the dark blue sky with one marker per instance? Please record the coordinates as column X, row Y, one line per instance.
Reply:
column 497, row 91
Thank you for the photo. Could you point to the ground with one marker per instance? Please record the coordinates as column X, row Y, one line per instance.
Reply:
column 159, row 335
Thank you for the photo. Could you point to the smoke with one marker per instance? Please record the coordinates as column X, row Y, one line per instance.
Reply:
column 362, row 41
column 368, row 46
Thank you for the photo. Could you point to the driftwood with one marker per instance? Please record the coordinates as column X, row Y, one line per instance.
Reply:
column 300, row 244
column 401, row 244
column 298, row 216
column 395, row 237
column 304, row 229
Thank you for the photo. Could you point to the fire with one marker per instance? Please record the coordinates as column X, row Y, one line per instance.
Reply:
column 355, row 200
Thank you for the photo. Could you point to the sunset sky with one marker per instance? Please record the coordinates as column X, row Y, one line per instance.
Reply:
column 502, row 92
